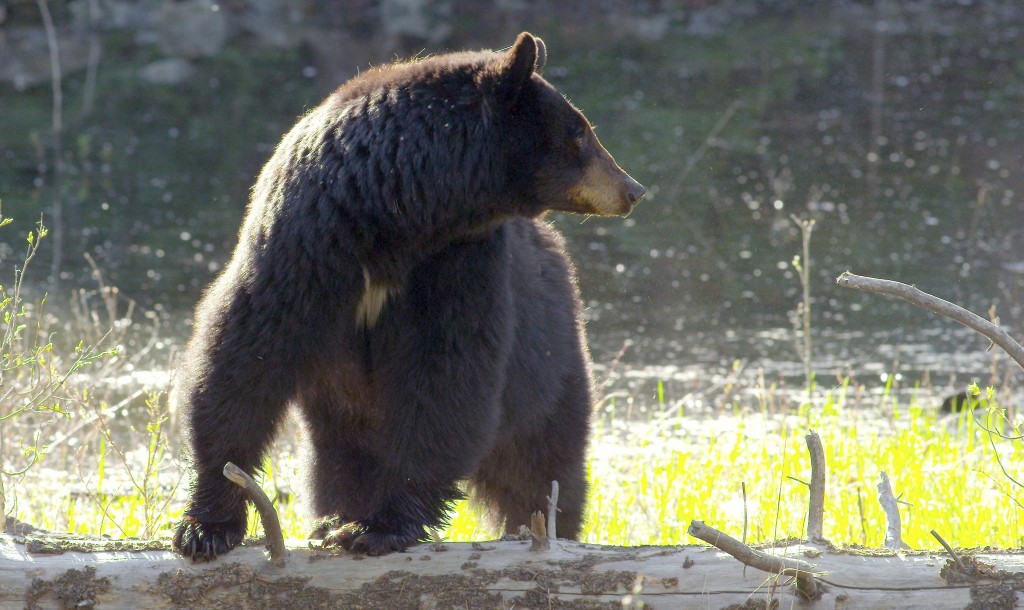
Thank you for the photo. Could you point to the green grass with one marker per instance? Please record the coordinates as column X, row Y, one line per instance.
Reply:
column 649, row 478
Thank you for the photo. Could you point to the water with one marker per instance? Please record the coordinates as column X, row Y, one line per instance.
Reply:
column 897, row 129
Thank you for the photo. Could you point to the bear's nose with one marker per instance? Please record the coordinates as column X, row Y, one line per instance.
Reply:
column 636, row 191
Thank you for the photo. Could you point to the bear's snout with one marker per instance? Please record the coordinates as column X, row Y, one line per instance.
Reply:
column 605, row 189
column 634, row 190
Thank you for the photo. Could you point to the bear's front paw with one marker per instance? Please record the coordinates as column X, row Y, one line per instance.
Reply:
column 205, row 541
column 356, row 539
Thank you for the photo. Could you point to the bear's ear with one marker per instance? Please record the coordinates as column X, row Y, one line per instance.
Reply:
column 516, row 66
column 542, row 55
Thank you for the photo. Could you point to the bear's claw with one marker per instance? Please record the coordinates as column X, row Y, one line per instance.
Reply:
column 205, row 541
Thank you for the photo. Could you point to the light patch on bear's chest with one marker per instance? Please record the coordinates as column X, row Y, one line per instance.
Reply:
column 375, row 296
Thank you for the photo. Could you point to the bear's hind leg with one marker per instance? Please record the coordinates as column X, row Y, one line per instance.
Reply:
column 515, row 479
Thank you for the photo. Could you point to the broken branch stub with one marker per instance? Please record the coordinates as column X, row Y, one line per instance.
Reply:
column 538, row 533
column 816, row 489
column 891, row 508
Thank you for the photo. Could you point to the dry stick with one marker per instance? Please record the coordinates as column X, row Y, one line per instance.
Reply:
column 863, row 518
column 952, row 553
column 816, row 503
column 552, row 510
column 806, row 228
column 271, row 524
column 938, row 306
column 890, row 506
column 785, row 566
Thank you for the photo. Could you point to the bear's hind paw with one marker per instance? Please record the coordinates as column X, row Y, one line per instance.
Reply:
column 326, row 525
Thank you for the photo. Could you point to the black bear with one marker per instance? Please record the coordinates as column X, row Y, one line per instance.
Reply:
column 394, row 280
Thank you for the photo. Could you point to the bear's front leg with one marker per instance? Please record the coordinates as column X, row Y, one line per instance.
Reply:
column 236, row 378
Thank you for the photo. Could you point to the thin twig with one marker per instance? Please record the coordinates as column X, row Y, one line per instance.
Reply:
column 804, row 272
column 271, row 524
column 694, row 159
column 613, row 365
column 938, row 306
column 863, row 518
column 816, row 503
column 801, row 570
column 999, row 461
column 743, row 490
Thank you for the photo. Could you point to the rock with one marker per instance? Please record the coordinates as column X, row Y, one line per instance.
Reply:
column 275, row 23
column 113, row 15
column 26, row 56
column 651, row 27
column 426, row 20
column 171, row 71
column 190, row 29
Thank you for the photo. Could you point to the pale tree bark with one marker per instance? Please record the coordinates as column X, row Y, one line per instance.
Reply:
column 490, row 575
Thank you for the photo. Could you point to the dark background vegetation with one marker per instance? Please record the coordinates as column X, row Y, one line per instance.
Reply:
column 896, row 126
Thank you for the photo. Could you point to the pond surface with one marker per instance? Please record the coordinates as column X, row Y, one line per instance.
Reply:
column 897, row 129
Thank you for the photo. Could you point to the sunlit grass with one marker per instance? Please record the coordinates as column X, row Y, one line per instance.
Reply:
column 649, row 478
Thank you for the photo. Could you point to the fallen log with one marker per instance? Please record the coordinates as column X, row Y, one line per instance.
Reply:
column 503, row 574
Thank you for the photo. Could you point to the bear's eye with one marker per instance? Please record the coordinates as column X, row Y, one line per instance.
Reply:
column 578, row 136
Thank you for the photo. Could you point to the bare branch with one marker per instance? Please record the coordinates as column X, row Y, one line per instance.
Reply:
column 938, row 306
column 801, row 570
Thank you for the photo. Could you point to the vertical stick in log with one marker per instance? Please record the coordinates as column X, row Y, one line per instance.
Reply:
column 552, row 510
column 816, row 503
column 893, row 535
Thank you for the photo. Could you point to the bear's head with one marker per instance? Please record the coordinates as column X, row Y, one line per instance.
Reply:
column 556, row 160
